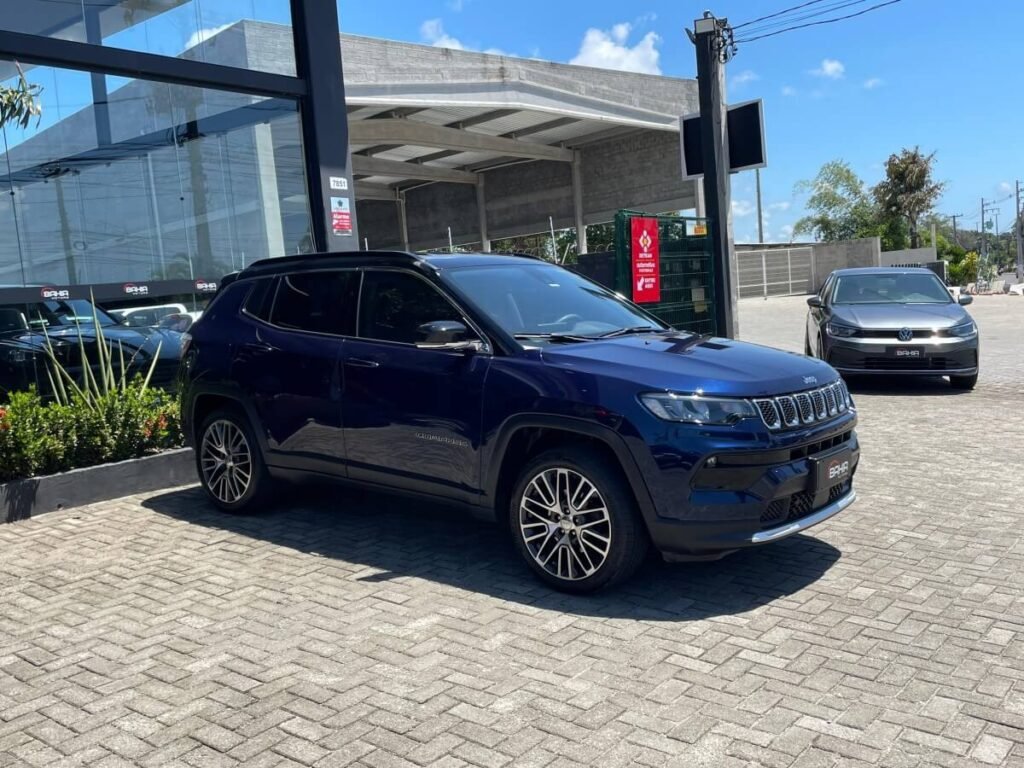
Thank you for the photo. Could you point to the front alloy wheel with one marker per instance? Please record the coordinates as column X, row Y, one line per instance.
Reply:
column 564, row 524
column 574, row 519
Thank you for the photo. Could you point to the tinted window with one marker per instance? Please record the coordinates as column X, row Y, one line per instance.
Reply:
column 895, row 288
column 542, row 298
column 394, row 305
column 68, row 312
column 260, row 298
column 321, row 302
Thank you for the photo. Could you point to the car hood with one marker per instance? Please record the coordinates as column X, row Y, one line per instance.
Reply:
column 895, row 316
column 144, row 340
column 713, row 366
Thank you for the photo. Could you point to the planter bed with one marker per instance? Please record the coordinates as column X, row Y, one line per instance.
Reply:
column 22, row 499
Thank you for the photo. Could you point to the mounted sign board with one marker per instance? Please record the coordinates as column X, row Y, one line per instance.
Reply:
column 746, row 140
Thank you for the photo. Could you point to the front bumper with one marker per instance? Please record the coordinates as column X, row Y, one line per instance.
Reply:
column 755, row 497
column 887, row 357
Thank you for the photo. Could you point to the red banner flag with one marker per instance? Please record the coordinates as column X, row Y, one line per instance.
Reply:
column 646, row 261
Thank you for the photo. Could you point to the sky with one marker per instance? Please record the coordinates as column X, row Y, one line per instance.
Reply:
column 928, row 73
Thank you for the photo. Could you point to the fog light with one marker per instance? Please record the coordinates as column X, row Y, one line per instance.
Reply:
column 712, row 462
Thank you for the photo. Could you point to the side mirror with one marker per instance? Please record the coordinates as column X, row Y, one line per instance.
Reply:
column 447, row 334
column 814, row 301
column 965, row 299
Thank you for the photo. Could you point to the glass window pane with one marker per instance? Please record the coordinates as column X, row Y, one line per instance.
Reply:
column 394, row 306
column 321, row 302
column 132, row 180
column 251, row 34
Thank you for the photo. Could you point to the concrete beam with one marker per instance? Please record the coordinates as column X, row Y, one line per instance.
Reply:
column 366, row 191
column 388, row 131
column 376, row 166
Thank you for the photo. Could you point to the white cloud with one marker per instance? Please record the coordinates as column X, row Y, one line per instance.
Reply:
column 741, row 208
column 743, row 78
column 782, row 205
column 456, row 5
column 432, row 31
column 833, row 69
column 873, row 82
column 202, row 35
column 787, row 232
column 610, row 49
column 788, row 90
column 1005, row 187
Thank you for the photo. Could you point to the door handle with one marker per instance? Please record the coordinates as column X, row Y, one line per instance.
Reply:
column 359, row 362
column 257, row 346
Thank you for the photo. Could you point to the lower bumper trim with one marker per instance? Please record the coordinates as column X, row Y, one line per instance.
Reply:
column 823, row 514
column 907, row 372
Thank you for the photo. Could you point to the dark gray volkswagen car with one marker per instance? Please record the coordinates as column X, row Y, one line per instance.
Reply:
column 892, row 320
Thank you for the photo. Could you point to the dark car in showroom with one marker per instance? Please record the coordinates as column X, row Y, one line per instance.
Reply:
column 534, row 396
column 70, row 324
column 893, row 321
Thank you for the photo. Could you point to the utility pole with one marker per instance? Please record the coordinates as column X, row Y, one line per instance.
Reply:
column 984, row 242
column 760, row 218
column 712, row 39
column 1018, row 233
column 954, row 217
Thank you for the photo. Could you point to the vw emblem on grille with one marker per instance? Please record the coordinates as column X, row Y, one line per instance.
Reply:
column 905, row 334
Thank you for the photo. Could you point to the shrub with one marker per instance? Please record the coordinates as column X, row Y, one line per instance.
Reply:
column 40, row 438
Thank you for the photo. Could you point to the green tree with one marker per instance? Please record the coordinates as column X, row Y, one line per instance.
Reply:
column 908, row 190
column 20, row 103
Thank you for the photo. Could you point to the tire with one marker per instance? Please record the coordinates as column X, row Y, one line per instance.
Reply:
column 584, row 549
column 230, row 488
column 964, row 382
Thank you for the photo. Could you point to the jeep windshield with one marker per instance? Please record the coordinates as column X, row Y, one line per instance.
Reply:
column 899, row 288
column 70, row 312
column 545, row 303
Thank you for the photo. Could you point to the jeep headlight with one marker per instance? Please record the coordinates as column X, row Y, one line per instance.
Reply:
column 964, row 330
column 697, row 409
column 840, row 331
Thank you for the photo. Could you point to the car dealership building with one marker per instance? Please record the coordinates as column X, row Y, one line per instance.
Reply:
column 180, row 142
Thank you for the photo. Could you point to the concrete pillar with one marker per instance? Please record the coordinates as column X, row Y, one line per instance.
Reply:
column 699, row 197
column 403, row 221
column 577, row 202
column 481, row 212
column 270, row 198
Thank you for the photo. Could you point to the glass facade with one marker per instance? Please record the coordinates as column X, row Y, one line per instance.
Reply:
column 137, row 180
column 204, row 30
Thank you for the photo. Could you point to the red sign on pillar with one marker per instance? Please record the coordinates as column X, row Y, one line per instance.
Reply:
column 646, row 261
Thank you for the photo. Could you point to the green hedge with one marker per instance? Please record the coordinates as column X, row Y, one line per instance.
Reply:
column 42, row 438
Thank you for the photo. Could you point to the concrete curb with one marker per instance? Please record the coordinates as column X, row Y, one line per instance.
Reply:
column 22, row 499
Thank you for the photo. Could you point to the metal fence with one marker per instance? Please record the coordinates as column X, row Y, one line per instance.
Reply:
column 775, row 272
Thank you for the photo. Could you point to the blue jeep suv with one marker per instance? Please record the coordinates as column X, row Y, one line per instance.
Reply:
column 534, row 396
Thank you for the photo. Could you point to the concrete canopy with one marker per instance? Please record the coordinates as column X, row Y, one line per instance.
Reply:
column 492, row 146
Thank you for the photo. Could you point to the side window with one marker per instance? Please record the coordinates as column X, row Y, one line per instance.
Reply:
column 394, row 305
column 826, row 289
column 321, row 302
column 261, row 296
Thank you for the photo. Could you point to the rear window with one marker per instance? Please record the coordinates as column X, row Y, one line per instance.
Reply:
column 319, row 302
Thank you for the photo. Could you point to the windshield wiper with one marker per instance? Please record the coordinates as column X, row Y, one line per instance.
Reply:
column 629, row 331
column 557, row 338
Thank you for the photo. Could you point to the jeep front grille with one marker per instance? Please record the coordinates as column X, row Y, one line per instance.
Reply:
column 810, row 407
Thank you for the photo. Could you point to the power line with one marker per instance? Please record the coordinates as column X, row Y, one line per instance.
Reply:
column 834, row 5
column 779, row 13
column 818, row 23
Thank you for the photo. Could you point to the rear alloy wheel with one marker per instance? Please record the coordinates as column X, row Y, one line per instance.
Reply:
column 230, row 466
column 574, row 521
column 964, row 382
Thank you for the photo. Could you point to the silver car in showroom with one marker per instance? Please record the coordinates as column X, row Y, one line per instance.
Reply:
column 892, row 321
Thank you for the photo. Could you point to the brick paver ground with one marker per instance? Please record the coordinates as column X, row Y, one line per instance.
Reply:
column 355, row 629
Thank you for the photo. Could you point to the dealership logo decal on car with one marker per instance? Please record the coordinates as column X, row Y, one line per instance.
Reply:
column 136, row 290
column 837, row 470
column 206, row 286
column 57, row 294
